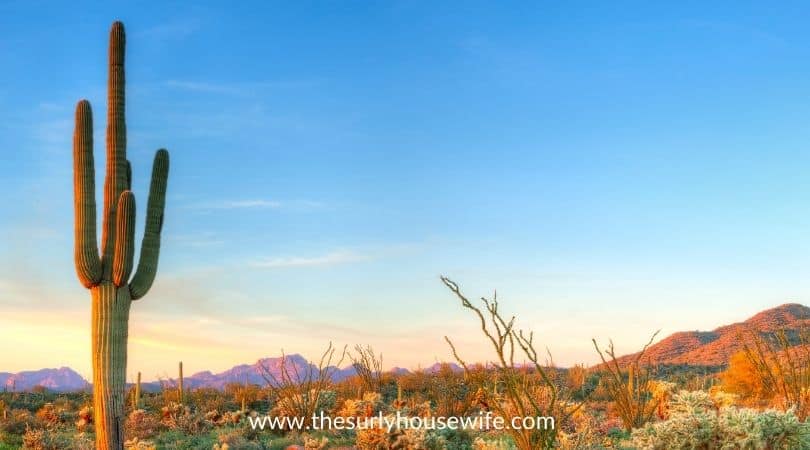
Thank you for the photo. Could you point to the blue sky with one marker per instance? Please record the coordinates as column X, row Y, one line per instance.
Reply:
column 611, row 169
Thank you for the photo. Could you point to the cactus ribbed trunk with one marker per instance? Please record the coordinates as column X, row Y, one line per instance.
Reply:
column 180, row 392
column 136, row 401
column 110, row 329
column 107, row 273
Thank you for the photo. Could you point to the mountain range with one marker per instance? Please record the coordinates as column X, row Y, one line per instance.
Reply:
column 266, row 369
column 714, row 348
column 696, row 348
column 61, row 379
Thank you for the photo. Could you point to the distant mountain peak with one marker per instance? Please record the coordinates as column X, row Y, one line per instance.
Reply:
column 61, row 379
column 714, row 348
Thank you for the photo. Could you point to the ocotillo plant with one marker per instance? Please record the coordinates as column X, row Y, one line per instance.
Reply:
column 107, row 275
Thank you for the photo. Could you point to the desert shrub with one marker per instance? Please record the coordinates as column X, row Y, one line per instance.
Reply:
column 368, row 406
column 498, row 443
column 449, row 439
column 44, row 439
column 368, row 367
column 695, row 422
column 18, row 421
column 451, row 393
column 313, row 443
column 628, row 386
column 183, row 418
column 282, row 443
column 137, row 444
column 84, row 419
column 781, row 366
column 177, row 440
column 581, row 382
column 516, row 390
column 171, row 414
column 379, row 438
column 48, row 415
column 304, row 395
column 661, row 394
column 234, row 439
column 243, row 394
column 304, row 404
column 582, row 431
column 142, row 425
column 211, row 399
column 741, row 378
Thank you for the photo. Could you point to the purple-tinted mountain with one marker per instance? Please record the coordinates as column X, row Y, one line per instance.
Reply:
column 261, row 372
column 439, row 366
column 65, row 379
column 61, row 379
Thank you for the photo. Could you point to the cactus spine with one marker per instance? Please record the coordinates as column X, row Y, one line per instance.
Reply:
column 180, row 392
column 107, row 275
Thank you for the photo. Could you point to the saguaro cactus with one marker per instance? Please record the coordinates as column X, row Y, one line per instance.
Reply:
column 136, row 394
column 180, row 392
column 107, row 275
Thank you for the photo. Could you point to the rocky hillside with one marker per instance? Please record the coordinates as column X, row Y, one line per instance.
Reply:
column 713, row 348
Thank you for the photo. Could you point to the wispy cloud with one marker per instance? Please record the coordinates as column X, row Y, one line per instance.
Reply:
column 176, row 29
column 197, row 240
column 328, row 259
column 256, row 203
column 237, row 87
column 238, row 204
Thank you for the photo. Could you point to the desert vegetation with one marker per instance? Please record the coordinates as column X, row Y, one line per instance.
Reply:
column 757, row 400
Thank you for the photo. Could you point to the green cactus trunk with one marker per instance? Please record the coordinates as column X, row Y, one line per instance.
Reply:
column 110, row 330
column 136, row 400
column 180, row 392
column 107, row 274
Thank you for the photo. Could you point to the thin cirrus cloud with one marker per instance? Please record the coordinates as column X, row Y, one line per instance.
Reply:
column 328, row 259
column 237, row 88
column 176, row 29
column 256, row 204
column 238, row 204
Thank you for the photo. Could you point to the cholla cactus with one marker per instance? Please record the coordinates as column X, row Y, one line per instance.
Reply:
column 368, row 406
column 662, row 392
column 481, row 444
column 107, row 274
column 137, row 444
column 695, row 422
column 293, row 405
column 311, row 443
column 375, row 438
column 48, row 415
column 84, row 418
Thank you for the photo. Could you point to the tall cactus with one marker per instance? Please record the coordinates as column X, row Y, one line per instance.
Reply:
column 180, row 392
column 107, row 275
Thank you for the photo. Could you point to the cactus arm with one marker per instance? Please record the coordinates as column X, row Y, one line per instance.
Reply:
column 88, row 264
column 128, row 184
column 115, row 180
column 150, row 247
column 125, row 241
